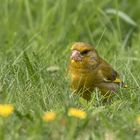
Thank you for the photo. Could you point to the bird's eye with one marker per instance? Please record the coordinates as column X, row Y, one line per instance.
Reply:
column 84, row 52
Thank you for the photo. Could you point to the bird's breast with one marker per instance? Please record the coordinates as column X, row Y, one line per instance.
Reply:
column 82, row 78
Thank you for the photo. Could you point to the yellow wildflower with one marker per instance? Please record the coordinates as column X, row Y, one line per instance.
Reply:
column 49, row 116
column 77, row 113
column 138, row 119
column 6, row 110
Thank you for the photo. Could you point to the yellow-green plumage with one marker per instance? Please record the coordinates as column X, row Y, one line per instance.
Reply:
column 88, row 71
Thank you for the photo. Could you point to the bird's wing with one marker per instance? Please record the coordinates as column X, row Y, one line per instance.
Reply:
column 107, row 73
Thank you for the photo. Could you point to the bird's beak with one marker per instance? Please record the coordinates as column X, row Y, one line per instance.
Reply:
column 76, row 56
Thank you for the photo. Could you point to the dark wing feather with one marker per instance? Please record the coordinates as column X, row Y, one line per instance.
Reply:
column 108, row 73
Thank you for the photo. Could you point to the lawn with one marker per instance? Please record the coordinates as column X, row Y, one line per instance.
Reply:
column 35, row 41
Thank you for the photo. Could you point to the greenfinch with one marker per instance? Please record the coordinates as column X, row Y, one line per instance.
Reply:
column 89, row 71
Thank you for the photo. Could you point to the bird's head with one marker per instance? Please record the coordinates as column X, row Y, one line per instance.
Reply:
column 84, row 55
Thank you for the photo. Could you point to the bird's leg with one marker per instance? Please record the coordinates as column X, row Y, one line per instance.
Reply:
column 86, row 95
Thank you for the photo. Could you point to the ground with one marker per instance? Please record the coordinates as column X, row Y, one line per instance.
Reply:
column 35, row 40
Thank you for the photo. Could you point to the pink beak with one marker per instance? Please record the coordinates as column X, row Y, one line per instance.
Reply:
column 76, row 55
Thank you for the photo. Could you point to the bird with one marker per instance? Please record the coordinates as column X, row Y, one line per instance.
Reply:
column 88, row 71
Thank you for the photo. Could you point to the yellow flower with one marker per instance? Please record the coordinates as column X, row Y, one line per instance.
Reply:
column 49, row 116
column 138, row 119
column 77, row 113
column 6, row 110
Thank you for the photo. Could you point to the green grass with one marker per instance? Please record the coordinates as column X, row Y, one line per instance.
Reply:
column 37, row 34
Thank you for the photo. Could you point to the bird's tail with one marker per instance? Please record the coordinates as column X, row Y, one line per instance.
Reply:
column 120, row 82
